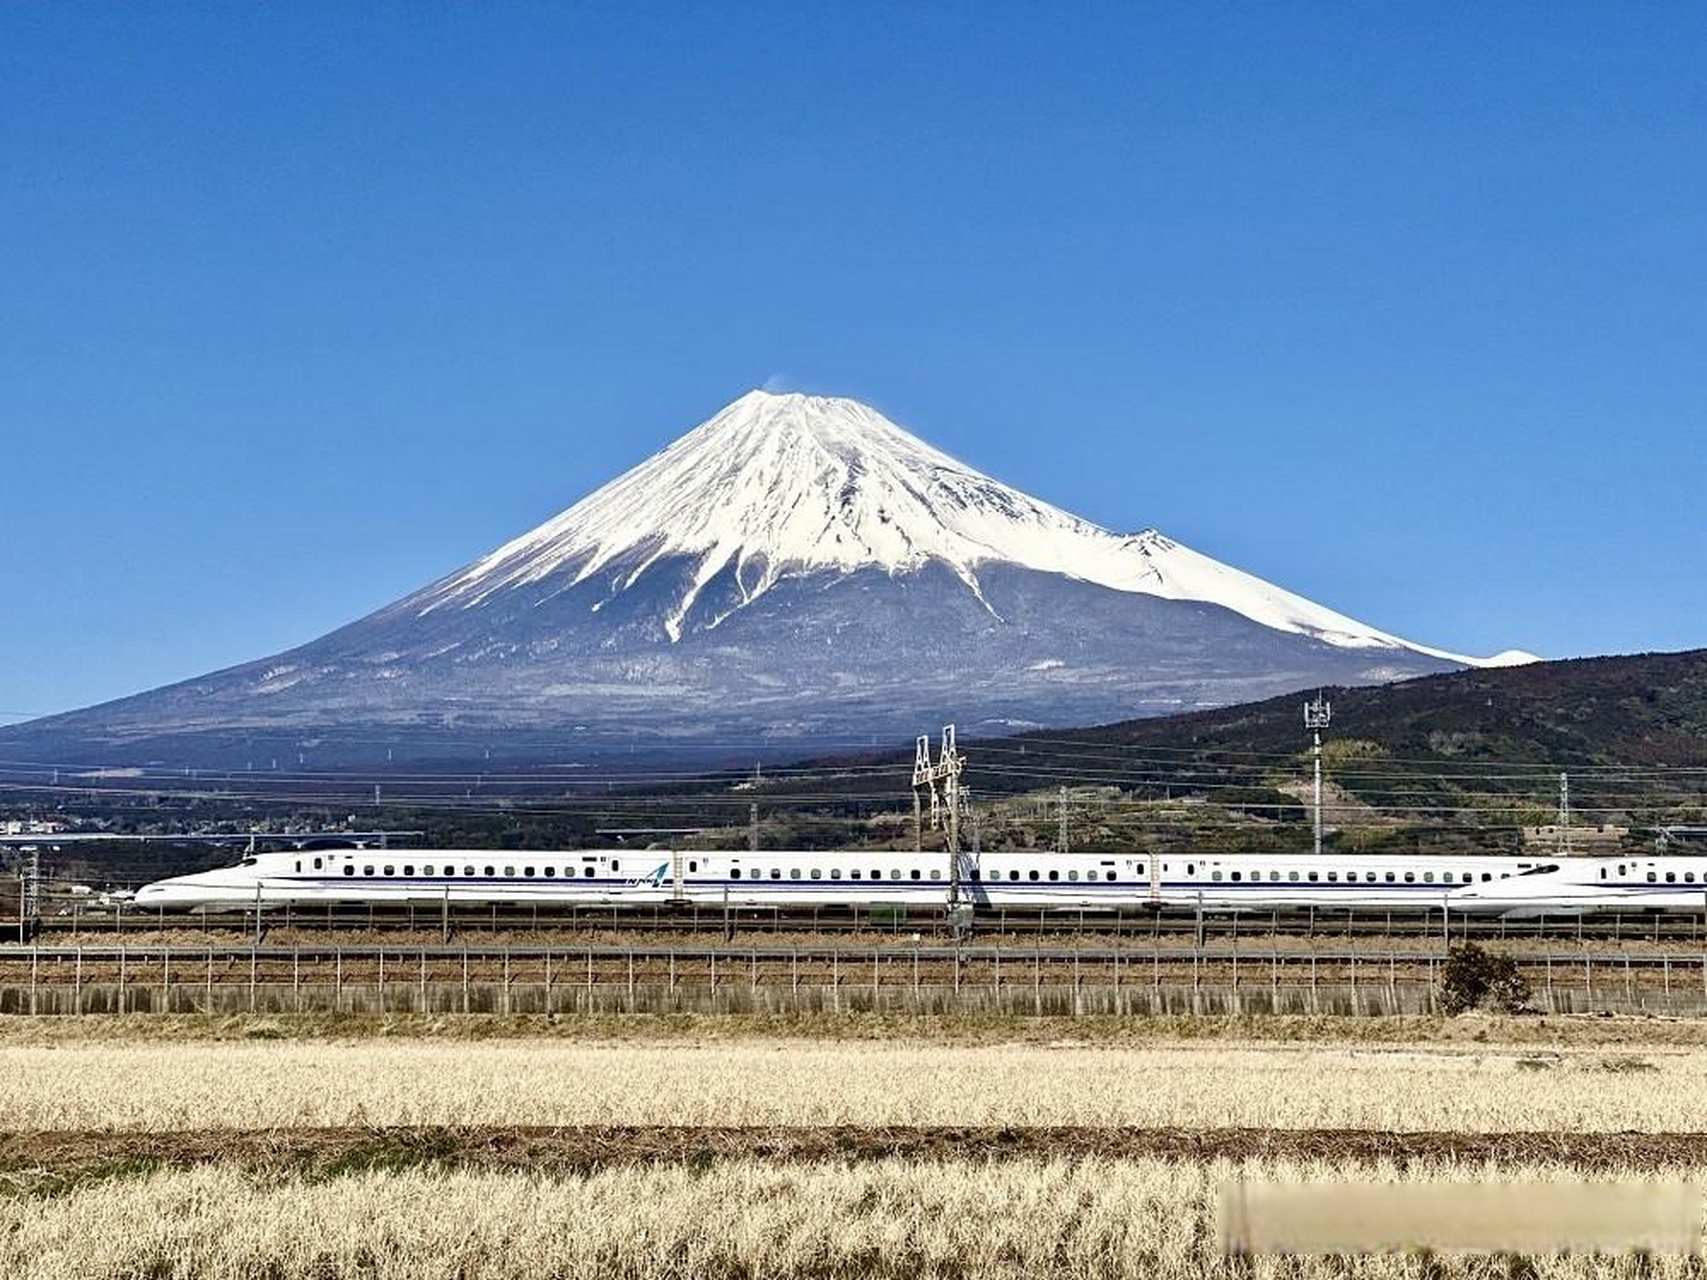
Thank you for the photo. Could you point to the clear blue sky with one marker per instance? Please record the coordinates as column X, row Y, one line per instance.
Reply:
column 1403, row 307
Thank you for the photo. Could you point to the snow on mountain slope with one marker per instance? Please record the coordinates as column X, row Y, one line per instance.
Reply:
column 780, row 485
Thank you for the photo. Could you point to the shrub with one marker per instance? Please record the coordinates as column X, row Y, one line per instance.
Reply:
column 1473, row 977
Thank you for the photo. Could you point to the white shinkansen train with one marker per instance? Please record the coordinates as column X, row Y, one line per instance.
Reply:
column 1490, row 885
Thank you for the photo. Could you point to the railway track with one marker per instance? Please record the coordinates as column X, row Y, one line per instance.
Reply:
column 73, row 922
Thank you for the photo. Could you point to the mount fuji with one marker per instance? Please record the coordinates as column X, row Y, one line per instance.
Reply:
column 795, row 571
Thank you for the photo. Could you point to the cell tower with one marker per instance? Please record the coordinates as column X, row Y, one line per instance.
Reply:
column 946, row 801
column 1317, row 713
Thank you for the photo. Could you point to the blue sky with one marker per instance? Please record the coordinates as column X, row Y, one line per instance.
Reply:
column 1403, row 307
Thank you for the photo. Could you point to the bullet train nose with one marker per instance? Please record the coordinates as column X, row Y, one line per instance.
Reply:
column 184, row 893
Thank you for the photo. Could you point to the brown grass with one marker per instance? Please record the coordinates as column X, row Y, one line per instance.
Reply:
column 1470, row 1031
column 263, row 1084
column 1037, row 1219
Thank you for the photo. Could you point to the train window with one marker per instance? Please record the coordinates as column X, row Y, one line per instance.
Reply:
column 1650, row 877
column 409, row 869
column 1428, row 877
column 491, row 871
column 1603, row 873
column 1391, row 877
column 1214, row 875
column 734, row 873
column 817, row 874
column 895, row 873
column 936, row 875
column 1486, row 876
column 367, row 870
column 1292, row 875
column 854, row 874
column 1312, row 875
column 1191, row 868
column 1054, row 875
column 1235, row 875
column 1689, row 877
column 349, row 869
column 1410, row 877
column 509, row 871
column 1031, row 875
column 528, row 872
column 1074, row 875
column 914, row 874
column 613, row 864
column 776, row 873
column 391, row 871
column 835, row 873
column 794, row 873
column 1671, row 877
column 550, row 873
column 299, row 864
column 1013, row 875
column 693, row 866
column 877, row 875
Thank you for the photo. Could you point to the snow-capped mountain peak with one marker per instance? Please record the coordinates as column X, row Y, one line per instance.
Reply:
column 781, row 485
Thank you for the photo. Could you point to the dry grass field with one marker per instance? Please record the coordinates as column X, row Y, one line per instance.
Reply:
column 264, row 1084
column 1011, row 1221
column 177, row 1148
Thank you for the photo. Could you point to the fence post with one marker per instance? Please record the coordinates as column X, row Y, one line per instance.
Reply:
column 77, row 996
column 165, row 980
column 548, row 980
column 122, row 974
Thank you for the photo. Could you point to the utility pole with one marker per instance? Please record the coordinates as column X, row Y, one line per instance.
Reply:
column 1563, row 835
column 1316, row 715
column 945, row 804
column 753, row 827
column 30, row 892
column 1061, row 831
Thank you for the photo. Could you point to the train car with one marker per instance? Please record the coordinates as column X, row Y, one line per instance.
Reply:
column 811, row 878
column 1584, row 886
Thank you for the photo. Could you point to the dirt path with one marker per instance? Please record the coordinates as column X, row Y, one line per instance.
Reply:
column 32, row 1161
